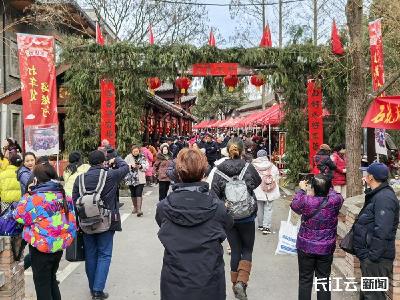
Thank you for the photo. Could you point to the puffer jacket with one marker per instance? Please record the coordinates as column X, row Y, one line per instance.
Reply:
column 339, row 176
column 317, row 235
column 10, row 189
column 131, row 160
column 23, row 176
column 69, row 178
column 374, row 232
column 193, row 224
column 46, row 226
column 231, row 168
column 323, row 164
column 263, row 164
column 4, row 164
column 150, row 159
column 161, row 166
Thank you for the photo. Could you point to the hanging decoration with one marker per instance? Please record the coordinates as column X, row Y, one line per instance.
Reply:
column 99, row 35
column 258, row 81
column 337, row 47
column 183, row 84
column 153, row 83
column 231, row 81
column 266, row 40
column 211, row 39
column 151, row 36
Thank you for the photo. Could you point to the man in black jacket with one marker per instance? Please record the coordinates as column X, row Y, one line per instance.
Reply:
column 98, row 247
column 211, row 148
column 375, row 228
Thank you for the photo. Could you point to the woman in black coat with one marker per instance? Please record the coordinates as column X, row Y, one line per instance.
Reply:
column 242, row 235
column 192, row 224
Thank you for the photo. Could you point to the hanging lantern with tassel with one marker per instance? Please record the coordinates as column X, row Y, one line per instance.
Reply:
column 258, row 81
column 183, row 84
column 153, row 83
column 231, row 81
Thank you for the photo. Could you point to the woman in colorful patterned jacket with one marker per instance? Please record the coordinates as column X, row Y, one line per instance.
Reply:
column 316, row 240
column 49, row 228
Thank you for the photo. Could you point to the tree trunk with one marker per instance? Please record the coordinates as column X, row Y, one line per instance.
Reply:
column 356, row 97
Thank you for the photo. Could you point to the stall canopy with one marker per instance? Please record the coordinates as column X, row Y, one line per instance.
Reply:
column 384, row 113
column 273, row 115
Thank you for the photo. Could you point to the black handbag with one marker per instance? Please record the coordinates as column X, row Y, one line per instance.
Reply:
column 347, row 243
column 76, row 251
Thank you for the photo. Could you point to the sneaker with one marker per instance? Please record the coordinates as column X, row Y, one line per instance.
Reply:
column 99, row 296
column 240, row 291
column 260, row 228
column 266, row 231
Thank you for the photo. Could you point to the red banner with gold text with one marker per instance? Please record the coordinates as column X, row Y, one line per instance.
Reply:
column 384, row 113
column 38, row 79
column 376, row 49
column 215, row 69
column 315, row 121
column 107, row 111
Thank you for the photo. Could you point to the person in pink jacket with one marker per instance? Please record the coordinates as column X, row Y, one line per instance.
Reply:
column 150, row 159
column 339, row 174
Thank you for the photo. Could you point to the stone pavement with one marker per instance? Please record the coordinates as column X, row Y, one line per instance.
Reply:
column 137, row 261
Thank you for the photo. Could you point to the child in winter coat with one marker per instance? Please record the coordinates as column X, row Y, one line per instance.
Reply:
column 267, row 192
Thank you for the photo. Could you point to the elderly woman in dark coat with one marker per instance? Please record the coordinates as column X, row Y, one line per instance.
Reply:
column 192, row 224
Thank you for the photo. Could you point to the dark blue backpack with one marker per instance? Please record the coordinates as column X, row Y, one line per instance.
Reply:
column 8, row 225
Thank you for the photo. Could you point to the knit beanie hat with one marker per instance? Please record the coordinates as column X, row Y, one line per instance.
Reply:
column 262, row 153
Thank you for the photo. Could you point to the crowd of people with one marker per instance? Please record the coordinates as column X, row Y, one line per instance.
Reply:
column 211, row 188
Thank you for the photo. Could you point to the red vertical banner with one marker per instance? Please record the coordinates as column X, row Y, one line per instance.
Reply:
column 39, row 93
column 315, row 122
column 377, row 73
column 107, row 111
column 282, row 143
column 376, row 49
column 107, row 106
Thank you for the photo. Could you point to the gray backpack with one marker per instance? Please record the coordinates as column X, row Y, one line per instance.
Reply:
column 93, row 216
column 239, row 202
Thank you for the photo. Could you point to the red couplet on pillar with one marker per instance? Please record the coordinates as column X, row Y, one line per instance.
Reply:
column 107, row 111
column 315, row 121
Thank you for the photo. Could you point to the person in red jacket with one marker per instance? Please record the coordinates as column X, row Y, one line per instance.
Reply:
column 339, row 174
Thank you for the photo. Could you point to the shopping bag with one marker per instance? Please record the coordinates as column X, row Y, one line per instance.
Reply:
column 76, row 251
column 288, row 237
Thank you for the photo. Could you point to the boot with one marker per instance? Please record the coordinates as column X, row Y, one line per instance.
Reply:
column 134, row 202
column 139, row 206
column 234, row 276
column 243, row 277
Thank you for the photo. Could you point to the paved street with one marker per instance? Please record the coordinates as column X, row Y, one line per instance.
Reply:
column 137, row 260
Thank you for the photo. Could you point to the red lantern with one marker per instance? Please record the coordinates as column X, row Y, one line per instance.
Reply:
column 231, row 81
column 183, row 84
column 153, row 83
column 257, row 81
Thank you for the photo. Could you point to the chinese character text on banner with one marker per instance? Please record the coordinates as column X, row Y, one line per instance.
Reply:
column 315, row 122
column 38, row 79
column 378, row 74
column 108, row 111
column 39, row 93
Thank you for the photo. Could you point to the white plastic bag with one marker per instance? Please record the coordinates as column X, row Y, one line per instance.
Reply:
column 287, row 237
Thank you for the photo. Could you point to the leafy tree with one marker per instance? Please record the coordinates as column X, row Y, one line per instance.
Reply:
column 219, row 102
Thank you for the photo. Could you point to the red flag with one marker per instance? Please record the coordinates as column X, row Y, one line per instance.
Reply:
column 151, row 36
column 266, row 40
column 337, row 47
column 211, row 40
column 99, row 35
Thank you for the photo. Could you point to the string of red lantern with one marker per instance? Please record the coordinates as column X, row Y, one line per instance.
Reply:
column 231, row 81
column 257, row 80
column 183, row 84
